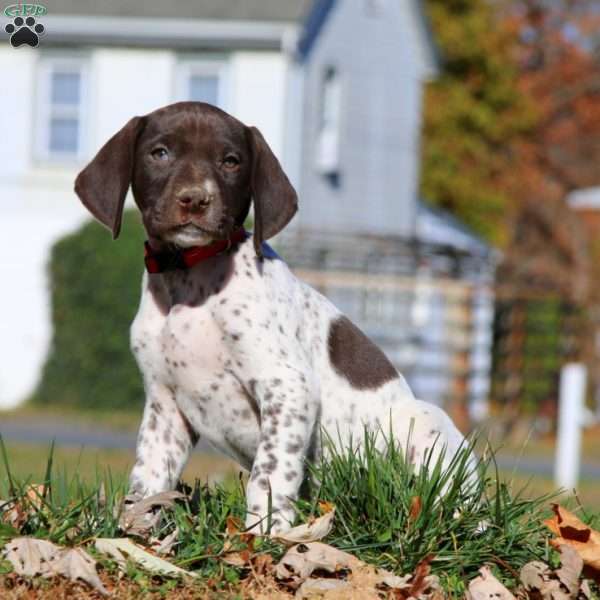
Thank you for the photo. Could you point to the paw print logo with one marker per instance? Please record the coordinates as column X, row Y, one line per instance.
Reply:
column 24, row 31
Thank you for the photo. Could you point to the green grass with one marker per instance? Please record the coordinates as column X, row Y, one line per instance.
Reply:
column 28, row 462
column 373, row 493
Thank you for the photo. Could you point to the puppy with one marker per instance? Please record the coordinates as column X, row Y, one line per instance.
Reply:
column 233, row 348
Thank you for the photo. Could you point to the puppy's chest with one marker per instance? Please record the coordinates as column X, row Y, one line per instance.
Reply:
column 186, row 353
column 184, row 349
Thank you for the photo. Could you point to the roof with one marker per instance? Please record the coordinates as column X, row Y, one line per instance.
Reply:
column 435, row 226
column 238, row 10
column 321, row 9
column 187, row 24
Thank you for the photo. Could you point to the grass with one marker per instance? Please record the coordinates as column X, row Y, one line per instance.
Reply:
column 387, row 513
column 28, row 462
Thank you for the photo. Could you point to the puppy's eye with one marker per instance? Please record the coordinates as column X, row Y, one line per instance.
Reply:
column 231, row 162
column 160, row 153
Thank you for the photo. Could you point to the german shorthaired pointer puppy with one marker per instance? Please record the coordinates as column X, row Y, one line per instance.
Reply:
column 233, row 348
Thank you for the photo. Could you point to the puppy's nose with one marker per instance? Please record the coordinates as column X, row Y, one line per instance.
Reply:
column 193, row 198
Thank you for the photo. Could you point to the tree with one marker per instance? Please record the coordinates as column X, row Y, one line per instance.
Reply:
column 512, row 125
column 474, row 113
column 558, row 69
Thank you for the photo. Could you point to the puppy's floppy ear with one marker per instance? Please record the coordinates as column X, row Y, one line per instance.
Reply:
column 103, row 184
column 275, row 200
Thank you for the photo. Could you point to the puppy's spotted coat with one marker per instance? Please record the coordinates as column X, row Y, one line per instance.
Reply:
column 235, row 350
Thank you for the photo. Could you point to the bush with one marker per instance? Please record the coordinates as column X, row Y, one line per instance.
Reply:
column 95, row 286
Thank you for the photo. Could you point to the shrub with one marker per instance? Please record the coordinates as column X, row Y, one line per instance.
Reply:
column 95, row 287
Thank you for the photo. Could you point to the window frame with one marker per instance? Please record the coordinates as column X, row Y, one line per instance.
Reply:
column 209, row 66
column 45, row 110
column 329, row 135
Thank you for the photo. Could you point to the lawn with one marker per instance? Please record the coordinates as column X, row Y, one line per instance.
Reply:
column 28, row 462
column 386, row 513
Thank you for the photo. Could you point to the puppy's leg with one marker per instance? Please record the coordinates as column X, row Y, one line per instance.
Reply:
column 164, row 443
column 288, row 419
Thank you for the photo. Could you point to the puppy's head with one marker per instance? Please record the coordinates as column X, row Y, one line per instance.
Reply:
column 194, row 171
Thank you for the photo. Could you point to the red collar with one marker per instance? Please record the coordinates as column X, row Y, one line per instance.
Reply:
column 185, row 258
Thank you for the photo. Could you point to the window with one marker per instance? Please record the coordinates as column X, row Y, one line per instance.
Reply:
column 374, row 8
column 328, row 140
column 202, row 81
column 61, row 101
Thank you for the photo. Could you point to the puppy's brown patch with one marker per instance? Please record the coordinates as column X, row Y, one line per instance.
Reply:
column 355, row 357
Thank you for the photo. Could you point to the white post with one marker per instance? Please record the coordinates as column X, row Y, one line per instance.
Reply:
column 570, row 420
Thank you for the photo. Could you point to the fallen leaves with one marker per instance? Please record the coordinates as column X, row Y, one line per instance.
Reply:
column 301, row 560
column 16, row 512
column 123, row 549
column 312, row 531
column 31, row 557
column 309, row 568
column 570, row 530
column 486, row 586
column 166, row 545
column 416, row 506
column 238, row 548
column 141, row 515
column 540, row 581
column 355, row 578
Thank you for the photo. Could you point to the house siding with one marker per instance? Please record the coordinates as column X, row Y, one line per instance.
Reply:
column 380, row 122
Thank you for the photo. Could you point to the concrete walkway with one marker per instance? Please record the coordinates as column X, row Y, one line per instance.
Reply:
column 78, row 435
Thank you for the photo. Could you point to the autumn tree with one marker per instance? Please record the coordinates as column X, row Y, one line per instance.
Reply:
column 474, row 112
column 559, row 71
column 512, row 126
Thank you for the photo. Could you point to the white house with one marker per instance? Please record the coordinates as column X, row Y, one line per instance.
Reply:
column 334, row 85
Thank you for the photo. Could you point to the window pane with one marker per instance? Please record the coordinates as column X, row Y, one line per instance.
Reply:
column 65, row 88
column 332, row 93
column 64, row 135
column 204, row 88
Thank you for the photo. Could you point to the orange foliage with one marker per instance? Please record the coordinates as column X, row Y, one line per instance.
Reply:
column 559, row 72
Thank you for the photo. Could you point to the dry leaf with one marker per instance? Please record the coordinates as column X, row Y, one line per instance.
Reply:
column 16, row 512
column 561, row 584
column 243, row 543
column 31, row 557
column 121, row 549
column 320, row 587
column 415, row 508
column 76, row 563
column 421, row 584
column 326, row 507
column 356, row 579
column 572, row 531
column 165, row 546
column 237, row 559
column 570, row 571
column 301, row 560
column 537, row 577
column 312, row 531
column 233, row 526
column 35, row 495
column 486, row 586
column 262, row 564
column 139, row 516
